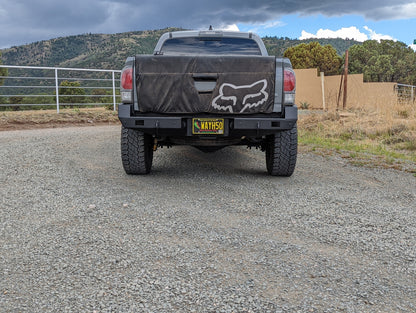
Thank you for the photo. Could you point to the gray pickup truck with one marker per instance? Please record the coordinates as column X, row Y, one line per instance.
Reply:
column 208, row 89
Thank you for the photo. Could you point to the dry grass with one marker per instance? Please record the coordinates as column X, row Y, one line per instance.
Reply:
column 387, row 131
column 13, row 120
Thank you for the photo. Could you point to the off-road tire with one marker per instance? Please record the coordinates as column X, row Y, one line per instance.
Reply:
column 136, row 151
column 281, row 152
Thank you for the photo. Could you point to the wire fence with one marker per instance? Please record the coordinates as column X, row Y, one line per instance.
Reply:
column 406, row 93
column 38, row 87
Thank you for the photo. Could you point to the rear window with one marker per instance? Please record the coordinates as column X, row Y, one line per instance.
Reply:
column 210, row 46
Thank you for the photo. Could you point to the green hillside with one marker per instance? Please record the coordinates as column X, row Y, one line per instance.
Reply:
column 106, row 51
column 277, row 46
column 84, row 51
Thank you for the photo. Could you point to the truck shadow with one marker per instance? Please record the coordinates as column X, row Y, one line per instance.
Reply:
column 189, row 161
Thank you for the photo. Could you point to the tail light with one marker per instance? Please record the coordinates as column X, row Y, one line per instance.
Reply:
column 126, row 85
column 290, row 80
column 289, row 86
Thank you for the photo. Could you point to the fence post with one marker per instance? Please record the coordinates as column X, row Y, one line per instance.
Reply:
column 323, row 90
column 114, row 93
column 57, row 90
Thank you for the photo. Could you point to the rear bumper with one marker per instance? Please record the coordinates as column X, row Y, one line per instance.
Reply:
column 235, row 126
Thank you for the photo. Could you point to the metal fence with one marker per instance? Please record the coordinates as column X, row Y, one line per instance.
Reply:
column 406, row 92
column 56, row 86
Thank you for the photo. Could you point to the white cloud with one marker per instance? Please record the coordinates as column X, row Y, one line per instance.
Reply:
column 306, row 35
column 375, row 36
column 232, row 27
column 346, row 32
column 259, row 28
column 350, row 32
column 413, row 47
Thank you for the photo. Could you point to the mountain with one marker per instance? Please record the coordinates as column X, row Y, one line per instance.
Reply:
column 106, row 51
column 102, row 51
column 277, row 46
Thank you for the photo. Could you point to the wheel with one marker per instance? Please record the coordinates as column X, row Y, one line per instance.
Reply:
column 281, row 152
column 136, row 151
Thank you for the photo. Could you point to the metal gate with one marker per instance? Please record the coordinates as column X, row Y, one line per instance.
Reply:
column 57, row 86
column 405, row 93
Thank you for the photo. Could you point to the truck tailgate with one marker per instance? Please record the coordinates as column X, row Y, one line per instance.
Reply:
column 205, row 84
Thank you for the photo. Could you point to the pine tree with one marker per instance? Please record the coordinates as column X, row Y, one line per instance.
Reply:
column 313, row 55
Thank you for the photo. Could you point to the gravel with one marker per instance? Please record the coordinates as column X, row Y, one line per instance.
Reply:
column 201, row 233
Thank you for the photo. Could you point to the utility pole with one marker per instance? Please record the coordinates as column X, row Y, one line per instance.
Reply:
column 344, row 101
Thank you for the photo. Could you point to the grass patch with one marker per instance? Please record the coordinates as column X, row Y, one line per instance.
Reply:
column 13, row 120
column 354, row 146
column 365, row 138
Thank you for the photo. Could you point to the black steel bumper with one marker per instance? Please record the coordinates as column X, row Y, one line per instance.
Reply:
column 235, row 126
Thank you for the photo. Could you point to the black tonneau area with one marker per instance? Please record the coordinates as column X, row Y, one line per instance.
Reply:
column 205, row 84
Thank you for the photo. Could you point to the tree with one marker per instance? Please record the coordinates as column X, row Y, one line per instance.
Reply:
column 105, row 95
column 313, row 55
column 71, row 92
column 3, row 72
column 16, row 100
column 384, row 61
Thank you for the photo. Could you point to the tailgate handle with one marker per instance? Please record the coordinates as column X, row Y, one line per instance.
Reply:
column 205, row 76
column 205, row 82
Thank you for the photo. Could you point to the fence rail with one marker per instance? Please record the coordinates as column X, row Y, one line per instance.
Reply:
column 405, row 92
column 58, row 86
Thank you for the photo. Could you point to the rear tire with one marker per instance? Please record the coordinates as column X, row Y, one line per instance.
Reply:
column 281, row 152
column 136, row 151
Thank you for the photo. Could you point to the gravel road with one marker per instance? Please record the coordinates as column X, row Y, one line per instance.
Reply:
column 202, row 233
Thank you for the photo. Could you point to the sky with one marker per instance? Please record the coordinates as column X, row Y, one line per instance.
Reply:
column 27, row 21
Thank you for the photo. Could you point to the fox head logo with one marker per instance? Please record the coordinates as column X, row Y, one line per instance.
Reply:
column 248, row 96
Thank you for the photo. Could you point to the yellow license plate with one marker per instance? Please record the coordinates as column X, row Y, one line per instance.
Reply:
column 208, row 126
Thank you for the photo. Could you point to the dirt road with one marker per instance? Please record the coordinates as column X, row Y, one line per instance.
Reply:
column 202, row 233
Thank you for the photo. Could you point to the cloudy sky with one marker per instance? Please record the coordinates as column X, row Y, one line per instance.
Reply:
column 26, row 21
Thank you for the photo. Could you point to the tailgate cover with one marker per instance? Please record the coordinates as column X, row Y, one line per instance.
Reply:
column 205, row 84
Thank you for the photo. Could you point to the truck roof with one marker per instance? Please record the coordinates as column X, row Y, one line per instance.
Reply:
column 213, row 34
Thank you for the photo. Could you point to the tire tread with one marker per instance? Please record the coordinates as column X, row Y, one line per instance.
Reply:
column 136, row 151
column 281, row 152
